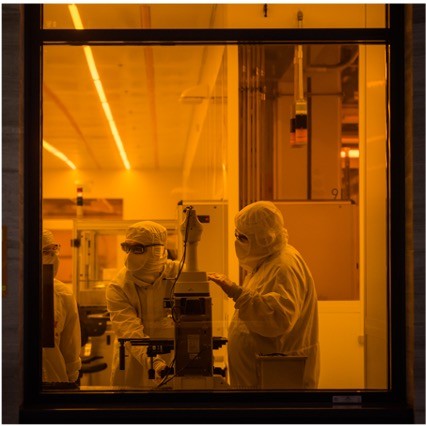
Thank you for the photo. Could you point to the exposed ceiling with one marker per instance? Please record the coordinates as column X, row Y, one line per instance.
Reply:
column 143, row 86
column 151, row 120
column 151, row 90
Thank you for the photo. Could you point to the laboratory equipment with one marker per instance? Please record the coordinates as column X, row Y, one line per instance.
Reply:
column 192, row 308
column 212, row 255
column 161, row 346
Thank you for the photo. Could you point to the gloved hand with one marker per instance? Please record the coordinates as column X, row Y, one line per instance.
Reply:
column 231, row 289
column 159, row 366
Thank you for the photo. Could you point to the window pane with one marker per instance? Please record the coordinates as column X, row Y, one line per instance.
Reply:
column 157, row 16
column 149, row 131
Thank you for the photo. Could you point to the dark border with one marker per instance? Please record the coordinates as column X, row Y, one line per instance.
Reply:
column 396, row 219
column 209, row 36
column 32, row 184
column 206, row 407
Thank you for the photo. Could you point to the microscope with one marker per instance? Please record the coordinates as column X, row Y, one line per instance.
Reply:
column 191, row 307
column 192, row 311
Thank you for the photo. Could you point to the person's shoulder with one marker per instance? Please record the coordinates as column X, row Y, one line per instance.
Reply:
column 120, row 275
column 119, row 280
column 289, row 255
column 290, row 250
column 61, row 288
column 286, row 260
column 291, row 261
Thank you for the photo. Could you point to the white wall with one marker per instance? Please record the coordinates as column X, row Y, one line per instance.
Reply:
column 145, row 194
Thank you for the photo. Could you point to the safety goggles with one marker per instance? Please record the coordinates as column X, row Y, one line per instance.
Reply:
column 240, row 237
column 51, row 250
column 136, row 248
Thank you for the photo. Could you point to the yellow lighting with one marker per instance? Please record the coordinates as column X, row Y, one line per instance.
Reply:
column 351, row 153
column 107, row 112
column 75, row 16
column 91, row 62
column 99, row 88
column 58, row 154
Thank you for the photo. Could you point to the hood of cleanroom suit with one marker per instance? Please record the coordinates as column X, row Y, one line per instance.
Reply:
column 144, row 268
column 263, row 225
column 62, row 363
column 135, row 302
column 47, row 240
column 276, row 311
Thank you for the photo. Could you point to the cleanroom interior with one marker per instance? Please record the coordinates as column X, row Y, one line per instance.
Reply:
column 140, row 132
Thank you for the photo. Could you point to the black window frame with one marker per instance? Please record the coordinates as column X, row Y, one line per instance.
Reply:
column 229, row 406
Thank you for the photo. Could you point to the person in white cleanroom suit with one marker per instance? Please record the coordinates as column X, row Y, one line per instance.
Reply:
column 135, row 302
column 61, row 363
column 276, row 307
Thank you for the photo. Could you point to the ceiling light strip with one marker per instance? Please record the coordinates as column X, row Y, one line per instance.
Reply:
column 145, row 19
column 99, row 88
column 58, row 154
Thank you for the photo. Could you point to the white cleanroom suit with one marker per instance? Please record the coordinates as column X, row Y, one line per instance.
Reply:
column 276, row 307
column 135, row 303
column 62, row 362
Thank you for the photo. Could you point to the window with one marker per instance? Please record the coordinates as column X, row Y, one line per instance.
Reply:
column 209, row 121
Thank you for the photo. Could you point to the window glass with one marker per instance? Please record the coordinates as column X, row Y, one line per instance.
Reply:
column 140, row 133
column 203, row 16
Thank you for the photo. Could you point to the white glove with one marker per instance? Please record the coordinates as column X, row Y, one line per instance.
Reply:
column 231, row 289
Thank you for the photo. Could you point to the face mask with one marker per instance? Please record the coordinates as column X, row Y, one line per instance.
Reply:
column 151, row 261
column 242, row 249
column 146, row 267
column 250, row 255
column 52, row 260
column 246, row 260
column 135, row 262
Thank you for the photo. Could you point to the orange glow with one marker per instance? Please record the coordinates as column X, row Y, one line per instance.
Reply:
column 99, row 88
column 58, row 154
column 351, row 153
